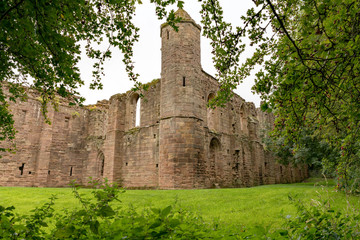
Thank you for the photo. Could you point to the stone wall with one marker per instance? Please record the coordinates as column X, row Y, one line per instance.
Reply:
column 179, row 143
column 47, row 155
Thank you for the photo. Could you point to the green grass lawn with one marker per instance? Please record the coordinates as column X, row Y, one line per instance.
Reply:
column 262, row 205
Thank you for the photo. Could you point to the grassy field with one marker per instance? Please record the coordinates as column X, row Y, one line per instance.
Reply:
column 262, row 205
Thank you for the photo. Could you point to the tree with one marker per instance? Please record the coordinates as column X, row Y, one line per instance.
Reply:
column 309, row 53
column 40, row 40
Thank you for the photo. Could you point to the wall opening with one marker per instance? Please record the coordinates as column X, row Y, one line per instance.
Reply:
column 212, row 114
column 214, row 156
column 71, row 171
column 243, row 119
column 167, row 34
column 184, row 81
column 21, row 168
column 135, row 110
column 67, row 120
column 101, row 164
column 137, row 113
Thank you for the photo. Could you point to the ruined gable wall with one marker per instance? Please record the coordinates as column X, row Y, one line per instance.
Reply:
column 140, row 145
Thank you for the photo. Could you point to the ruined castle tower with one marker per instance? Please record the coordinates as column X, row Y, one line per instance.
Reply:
column 179, row 143
column 181, row 108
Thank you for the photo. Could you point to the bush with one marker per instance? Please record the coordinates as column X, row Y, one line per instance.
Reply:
column 319, row 220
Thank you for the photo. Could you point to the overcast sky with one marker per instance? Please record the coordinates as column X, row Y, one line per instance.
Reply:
column 147, row 55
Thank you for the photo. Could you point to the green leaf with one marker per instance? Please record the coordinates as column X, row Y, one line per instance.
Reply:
column 165, row 211
column 94, row 226
column 174, row 223
column 106, row 211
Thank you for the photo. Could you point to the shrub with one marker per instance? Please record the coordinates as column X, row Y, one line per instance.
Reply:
column 319, row 220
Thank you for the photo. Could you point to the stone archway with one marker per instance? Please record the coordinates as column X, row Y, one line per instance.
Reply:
column 214, row 157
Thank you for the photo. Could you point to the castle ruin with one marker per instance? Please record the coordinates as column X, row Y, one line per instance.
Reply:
column 179, row 143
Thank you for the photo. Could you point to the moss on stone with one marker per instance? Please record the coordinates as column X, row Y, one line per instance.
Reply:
column 133, row 131
column 152, row 83
column 75, row 114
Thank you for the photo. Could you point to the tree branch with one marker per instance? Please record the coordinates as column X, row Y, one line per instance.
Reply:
column 10, row 9
column 286, row 32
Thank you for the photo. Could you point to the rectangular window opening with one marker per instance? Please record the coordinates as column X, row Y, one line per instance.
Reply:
column 71, row 171
column 184, row 81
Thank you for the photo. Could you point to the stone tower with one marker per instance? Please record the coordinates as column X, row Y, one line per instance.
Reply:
column 181, row 115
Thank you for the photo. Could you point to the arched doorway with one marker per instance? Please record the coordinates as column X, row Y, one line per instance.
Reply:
column 214, row 157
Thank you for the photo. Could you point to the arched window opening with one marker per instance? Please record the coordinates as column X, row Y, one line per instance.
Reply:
column 135, row 110
column 137, row 115
column 101, row 164
column 215, row 144
column 210, row 97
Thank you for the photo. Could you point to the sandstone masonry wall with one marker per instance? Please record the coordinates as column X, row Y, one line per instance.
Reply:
column 179, row 142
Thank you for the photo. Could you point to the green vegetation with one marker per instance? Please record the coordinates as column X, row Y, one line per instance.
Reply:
column 106, row 212
column 262, row 205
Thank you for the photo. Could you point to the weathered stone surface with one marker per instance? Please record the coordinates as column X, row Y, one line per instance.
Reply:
column 180, row 143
